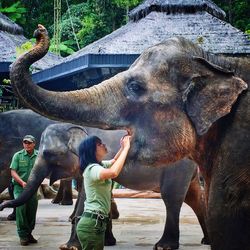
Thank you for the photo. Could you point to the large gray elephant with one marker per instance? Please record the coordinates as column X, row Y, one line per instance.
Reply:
column 58, row 159
column 176, row 101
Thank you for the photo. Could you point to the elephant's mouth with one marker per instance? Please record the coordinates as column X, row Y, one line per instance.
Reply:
column 130, row 131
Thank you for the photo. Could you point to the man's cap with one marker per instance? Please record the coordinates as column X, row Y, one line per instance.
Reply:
column 29, row 138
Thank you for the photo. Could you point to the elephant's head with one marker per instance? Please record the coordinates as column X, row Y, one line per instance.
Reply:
column 168, row 97
column 59, row 151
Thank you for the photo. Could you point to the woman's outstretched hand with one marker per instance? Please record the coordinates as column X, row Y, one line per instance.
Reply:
column 125, row 141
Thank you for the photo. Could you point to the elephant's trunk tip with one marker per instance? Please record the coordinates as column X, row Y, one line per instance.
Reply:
column 4, row 205
column 40, row 26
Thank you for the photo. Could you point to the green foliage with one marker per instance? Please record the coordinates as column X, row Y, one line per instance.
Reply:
column 237, row 12
column 23, row 48
column 248, row 32
column 76, row 11
column 66, row 28
column 37, row 12
column 6, row 81
column 93, row 28
column 15, row 12
column 5, row 86
column 7, row 99
column 126, row 3
column 200, row 40
column 69, row 44
column 99, row 19
column 64, row 49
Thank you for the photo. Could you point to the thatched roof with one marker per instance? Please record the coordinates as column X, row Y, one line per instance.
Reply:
column 176, row 6
column 11, row 36
column 157, row 20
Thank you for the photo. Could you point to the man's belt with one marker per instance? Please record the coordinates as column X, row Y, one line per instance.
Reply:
column 100, row 217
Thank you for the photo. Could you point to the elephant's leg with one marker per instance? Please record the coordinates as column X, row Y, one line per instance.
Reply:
column 195, row 198
column 11, row 216
column 67, row 198
column 59, row 195
column 114, row 211
column 229, row 211
column 174, row 185
column 109, row 237
column 5, row 181
column 79, row 182
column 64, row 195
column 110, row 240
column 73, row 242
column 72, row 216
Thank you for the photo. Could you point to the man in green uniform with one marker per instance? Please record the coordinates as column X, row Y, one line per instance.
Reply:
column 21, row 165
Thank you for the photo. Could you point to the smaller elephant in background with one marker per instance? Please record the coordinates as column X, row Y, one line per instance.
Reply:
column 14, row 125
column 58, row 159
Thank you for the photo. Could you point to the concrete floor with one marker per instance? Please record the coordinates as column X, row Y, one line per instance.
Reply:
column 140, row 225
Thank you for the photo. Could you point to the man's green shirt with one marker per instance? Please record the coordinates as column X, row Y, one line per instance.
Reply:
column 22, row 163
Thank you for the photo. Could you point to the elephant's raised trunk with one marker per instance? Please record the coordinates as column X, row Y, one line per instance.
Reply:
column 94, row 106
column 37, row 175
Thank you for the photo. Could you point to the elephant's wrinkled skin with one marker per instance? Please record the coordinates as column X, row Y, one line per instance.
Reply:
column 176, row 101
column 59, row 143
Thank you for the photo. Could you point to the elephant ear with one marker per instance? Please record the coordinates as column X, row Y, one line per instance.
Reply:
column 77, row 133
column 211, row 94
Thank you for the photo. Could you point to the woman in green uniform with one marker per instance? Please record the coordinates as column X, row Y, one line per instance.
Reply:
column 97, row 184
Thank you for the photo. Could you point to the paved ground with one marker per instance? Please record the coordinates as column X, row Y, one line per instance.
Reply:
column 140, row 225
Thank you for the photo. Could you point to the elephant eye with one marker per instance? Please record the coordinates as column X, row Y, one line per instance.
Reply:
column 136, row 88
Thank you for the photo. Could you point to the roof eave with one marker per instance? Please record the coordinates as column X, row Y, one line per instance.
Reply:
column 82, row 63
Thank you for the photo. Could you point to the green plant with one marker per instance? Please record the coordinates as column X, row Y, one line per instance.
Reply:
column 15, row 12
column 5, row 86
column 23, row 48
column 6, row 81
column 248, row 33
column 64, row 49
column 200, row 40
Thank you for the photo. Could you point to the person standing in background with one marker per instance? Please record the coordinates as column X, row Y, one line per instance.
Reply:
column 21, row 165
